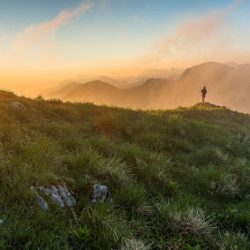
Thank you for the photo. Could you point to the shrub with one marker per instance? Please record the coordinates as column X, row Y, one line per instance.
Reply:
column 209, row 155
column 131, row 196
column 232, row 241
column 108, row 228
column 103, row 145
column 108, row 125
column 218, row 182
column 134, row 244
column 190, row 224
column 151, row 141
column 25, row 228
column 80, row 237
column 236, row 217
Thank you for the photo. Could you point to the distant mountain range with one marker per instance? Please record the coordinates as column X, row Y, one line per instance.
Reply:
column 227, row 84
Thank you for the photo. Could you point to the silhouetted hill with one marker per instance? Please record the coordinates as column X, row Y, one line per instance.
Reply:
column 62, row 91
column 206, row 71
column 100, row 92
column 151, row 84
column 96, row 91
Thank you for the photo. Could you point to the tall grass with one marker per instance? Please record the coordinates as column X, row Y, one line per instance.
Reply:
column 176, row 179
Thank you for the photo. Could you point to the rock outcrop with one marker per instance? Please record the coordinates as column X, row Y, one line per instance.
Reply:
column 60, row 195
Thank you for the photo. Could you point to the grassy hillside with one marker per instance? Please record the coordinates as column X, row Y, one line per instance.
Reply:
column 178, row 179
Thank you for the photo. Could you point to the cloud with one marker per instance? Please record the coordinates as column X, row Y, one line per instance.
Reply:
column 204, row 34
column 34, row 46
column 234, row 5
column 191, row 32
column 36, row 32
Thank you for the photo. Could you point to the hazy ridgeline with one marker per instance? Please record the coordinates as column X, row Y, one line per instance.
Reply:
column 228, row 85
column 178, row 179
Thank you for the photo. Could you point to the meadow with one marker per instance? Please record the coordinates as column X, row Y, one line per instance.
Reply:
column 177, row 179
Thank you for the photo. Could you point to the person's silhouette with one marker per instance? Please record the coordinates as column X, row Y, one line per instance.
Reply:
column 203, row 94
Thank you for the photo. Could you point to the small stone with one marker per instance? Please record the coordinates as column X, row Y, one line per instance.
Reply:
column 17, row 105
column 100, row 193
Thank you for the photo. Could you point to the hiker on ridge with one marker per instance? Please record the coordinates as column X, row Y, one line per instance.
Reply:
column 203, row 93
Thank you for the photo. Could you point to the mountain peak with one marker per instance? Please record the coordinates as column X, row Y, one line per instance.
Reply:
column 206, row 69
column 97, row 83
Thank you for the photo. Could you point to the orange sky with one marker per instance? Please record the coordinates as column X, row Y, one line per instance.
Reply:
column 92, row 38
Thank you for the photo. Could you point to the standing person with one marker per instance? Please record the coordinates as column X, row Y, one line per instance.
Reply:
column 204, row 93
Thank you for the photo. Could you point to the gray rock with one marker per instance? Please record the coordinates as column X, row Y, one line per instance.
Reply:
column 59, row 194
column 42, row 203
column 66, row 196
column 53, row 193
column 100, row 193
column 17, row 105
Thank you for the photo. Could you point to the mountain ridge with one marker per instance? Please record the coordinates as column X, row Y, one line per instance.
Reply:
column 219, row 78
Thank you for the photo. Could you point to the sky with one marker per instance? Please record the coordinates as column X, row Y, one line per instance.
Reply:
column 43, row 42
